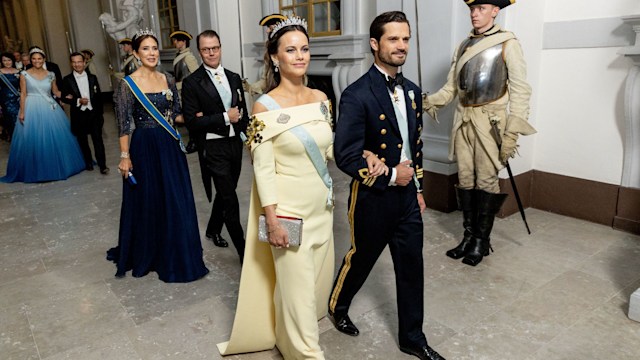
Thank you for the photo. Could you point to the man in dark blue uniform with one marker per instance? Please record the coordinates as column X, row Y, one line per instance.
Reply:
column 381, row 112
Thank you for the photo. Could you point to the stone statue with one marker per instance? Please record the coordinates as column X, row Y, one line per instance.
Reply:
column 116, row 30
column 132, row 15
column 131, row 23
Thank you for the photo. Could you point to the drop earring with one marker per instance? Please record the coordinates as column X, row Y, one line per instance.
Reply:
column 277, row 67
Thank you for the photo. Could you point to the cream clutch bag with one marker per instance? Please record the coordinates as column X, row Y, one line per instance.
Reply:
column 291, row 224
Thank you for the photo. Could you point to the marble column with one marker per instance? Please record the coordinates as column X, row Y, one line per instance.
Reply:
column 631, row 166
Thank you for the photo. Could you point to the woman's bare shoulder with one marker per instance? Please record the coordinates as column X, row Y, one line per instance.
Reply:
column 318, row 95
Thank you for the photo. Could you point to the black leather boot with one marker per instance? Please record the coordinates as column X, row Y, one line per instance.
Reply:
column 466, row 203
column 488, row 206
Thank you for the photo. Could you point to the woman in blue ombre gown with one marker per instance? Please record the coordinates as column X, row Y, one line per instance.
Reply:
column 42, row 147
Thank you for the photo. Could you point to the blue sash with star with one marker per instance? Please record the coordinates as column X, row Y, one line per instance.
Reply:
column 153, row 111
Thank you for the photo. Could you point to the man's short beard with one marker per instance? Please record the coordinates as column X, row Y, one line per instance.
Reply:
column 389, row 61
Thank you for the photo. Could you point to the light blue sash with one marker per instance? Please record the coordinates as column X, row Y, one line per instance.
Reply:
column 6, row 81
column 153, row 111
column 46, row 96
column 404, row 132
column 309, row 145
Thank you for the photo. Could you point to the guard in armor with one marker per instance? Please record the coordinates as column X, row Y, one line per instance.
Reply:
column 185, row 62
column 130, row 63
column 183, row 65
column 488, row 75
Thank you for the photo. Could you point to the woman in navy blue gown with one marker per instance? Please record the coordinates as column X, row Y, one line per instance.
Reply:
column 158, row 222
column 42, row 146
column 9, row 95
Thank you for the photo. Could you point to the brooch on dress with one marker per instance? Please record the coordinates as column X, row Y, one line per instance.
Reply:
column 283, row 118
column 168, row 93
column 326, row 111
column 253, row 131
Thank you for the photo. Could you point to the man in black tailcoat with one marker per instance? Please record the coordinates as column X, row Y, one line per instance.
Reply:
column 215, row 113
column 81, row 91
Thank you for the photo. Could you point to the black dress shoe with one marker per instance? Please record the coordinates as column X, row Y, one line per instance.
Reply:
column 424, row 352
column 104, row 171
column 218, row 240
column 89, row 167
column 191, row 147
column 344, row 324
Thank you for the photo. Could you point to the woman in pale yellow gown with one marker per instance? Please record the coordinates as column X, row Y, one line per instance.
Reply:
column 284, row 289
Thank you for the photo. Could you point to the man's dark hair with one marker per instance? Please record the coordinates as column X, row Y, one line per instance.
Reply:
column 376, row 30
column 208, row 34
column 75, row 53
column 137, row 41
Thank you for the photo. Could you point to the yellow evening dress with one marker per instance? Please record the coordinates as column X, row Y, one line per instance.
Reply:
column 283, row 292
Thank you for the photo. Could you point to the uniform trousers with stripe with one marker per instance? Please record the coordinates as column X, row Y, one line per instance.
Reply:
column 380, row 218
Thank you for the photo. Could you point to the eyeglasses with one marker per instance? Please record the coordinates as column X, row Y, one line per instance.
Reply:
column 214, row 49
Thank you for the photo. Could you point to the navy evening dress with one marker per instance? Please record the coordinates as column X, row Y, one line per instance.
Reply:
column 158, row 222
column 10, row 101
column 43, row 147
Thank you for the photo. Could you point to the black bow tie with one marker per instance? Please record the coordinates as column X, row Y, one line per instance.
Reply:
column 391, row 82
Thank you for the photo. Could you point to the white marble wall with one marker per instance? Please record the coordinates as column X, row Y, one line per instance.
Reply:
column 631, row 165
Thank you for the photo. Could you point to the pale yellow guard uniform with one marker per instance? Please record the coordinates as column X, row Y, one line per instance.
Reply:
column 283, row 292
column 471, row 139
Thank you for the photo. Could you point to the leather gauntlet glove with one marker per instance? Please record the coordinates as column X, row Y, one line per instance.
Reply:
column 509, row 146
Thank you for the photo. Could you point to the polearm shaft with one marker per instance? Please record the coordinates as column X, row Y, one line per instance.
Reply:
column 496, row 135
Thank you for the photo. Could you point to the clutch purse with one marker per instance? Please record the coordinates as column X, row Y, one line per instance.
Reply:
column 291, row 224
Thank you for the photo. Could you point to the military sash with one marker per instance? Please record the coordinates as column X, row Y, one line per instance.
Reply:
column 6, row 81
column 179, row 57
column 152, row 110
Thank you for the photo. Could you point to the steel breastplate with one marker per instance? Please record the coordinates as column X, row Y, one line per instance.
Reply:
column 483, row 79
column 181, row 70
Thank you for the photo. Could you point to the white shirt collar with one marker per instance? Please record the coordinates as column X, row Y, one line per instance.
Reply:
column 219, row 70
column 386, row 76
column 76, row 74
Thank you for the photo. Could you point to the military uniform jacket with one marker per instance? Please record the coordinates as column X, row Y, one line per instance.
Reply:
column 184, row 64
column 516, row 98
column 367, row 121
column 130, row 65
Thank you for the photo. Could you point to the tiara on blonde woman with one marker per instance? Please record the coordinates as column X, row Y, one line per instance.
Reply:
column 37, row 50
column 143, row 32
column 291, row 21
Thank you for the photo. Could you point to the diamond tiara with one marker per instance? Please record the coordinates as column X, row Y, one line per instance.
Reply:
column 36, row 50
column 143, row 32
column 294, row 20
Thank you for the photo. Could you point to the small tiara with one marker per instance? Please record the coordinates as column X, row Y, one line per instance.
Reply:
column 37, row 50
column 143, row 32
column 294, row 20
